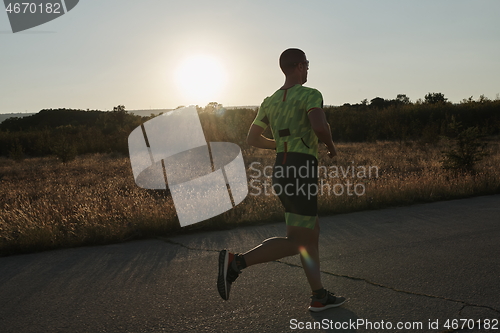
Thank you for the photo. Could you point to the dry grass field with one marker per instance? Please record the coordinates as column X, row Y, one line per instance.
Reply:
column 46, row 204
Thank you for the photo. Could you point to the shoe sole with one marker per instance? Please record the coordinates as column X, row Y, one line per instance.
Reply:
column 329, row 306
column 222, row 284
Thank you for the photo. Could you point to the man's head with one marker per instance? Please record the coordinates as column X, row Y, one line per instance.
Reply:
column 293, row 62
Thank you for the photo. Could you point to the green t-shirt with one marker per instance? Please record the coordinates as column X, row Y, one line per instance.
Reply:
column 286, row 112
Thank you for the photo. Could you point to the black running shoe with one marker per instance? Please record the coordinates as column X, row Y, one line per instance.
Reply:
column 227, row 274
column 327, row 302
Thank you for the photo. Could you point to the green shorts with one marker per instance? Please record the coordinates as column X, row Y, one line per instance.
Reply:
column 295, row 181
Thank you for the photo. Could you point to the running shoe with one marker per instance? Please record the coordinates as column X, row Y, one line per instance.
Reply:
column 327, row 302
column 227, row 273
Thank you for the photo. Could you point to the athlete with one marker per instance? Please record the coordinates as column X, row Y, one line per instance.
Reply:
column 297, row 121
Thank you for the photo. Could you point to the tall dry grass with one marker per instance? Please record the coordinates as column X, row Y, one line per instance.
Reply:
column 411, row 173
column 93, row 200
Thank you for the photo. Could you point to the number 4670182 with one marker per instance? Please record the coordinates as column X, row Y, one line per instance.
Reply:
column 33, row 8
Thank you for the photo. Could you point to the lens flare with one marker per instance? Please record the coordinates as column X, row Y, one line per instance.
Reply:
column 307, row 258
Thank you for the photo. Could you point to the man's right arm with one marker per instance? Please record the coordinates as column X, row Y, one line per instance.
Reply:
column 322, row 129
column 256, row 139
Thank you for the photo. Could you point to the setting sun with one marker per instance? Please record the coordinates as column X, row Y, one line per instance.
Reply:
column 200, row 79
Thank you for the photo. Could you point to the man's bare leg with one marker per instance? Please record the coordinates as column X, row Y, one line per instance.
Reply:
column 297, row 240
column 311, row 265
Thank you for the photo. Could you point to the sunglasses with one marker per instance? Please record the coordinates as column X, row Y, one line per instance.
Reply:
column 302, row 62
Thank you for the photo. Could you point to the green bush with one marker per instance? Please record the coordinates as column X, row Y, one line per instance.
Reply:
column 17, row 152
column 65, row 151
column 465, row 148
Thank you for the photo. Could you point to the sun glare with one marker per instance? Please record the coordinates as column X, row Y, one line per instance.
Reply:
column 200, row 79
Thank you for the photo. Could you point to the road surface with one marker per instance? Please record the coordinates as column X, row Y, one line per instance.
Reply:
column 416, row 266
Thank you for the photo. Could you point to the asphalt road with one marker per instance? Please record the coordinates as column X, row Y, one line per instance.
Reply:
column 414, row 266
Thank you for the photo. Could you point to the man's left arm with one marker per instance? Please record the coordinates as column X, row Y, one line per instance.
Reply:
column 318, row 121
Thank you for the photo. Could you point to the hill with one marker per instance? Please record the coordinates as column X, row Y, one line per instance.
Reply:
column 51, row 118
column 4, row 116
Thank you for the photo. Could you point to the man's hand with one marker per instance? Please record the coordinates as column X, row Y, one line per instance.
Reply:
column 332, row 151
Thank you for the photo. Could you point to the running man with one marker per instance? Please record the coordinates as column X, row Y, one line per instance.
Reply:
column 297, row 121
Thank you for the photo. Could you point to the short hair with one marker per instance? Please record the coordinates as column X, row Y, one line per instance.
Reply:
column 290, row 58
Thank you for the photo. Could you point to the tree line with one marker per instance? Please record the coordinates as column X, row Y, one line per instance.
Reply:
column 400, row 120
column 67, row 132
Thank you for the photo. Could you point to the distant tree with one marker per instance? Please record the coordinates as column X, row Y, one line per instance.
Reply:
column 434, row 98
column 483, row 99
column 402, row 98
column 468, row 100
column 212, row 107
column 119, row 108
column 378, row 102
column 119, row 114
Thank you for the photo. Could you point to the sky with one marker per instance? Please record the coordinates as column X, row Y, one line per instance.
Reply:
column 147, row 54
